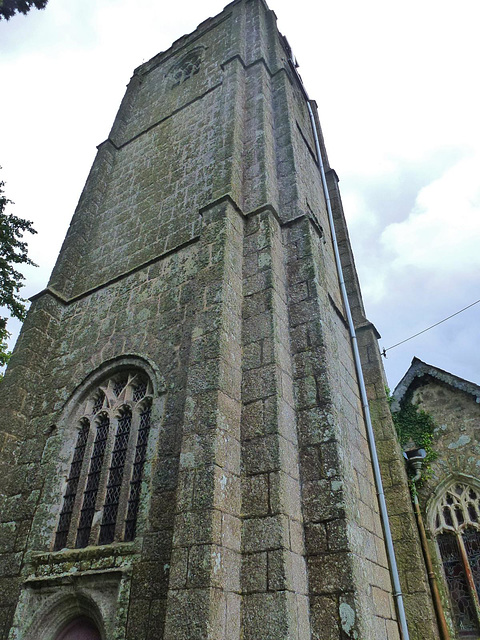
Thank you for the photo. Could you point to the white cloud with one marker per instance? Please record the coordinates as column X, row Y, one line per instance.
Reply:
column 443, row 230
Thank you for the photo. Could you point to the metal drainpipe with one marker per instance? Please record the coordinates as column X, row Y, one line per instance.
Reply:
column 437, row 603
column 363, row 394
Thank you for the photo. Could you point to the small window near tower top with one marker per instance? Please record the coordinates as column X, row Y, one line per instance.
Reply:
column 186, row 68
column 102, row 495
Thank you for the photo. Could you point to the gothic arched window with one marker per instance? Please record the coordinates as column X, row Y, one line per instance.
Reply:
column 457, row 529
column 102, row 494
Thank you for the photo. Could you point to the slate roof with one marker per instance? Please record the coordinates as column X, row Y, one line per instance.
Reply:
column 419, row 369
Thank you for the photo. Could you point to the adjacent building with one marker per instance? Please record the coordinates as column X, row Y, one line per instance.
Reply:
column 449, row 488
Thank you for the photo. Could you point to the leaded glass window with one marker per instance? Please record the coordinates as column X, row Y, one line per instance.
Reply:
column 135, row 483
column 457, row 528
column 93, row 481
column 115, row 477
column 101, row 499
column 462, row 605
column 72, row 484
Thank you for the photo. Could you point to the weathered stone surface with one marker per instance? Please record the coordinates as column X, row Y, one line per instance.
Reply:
column 200, row 255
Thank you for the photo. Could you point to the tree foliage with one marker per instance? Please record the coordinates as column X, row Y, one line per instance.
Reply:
column 13, row 252
column 9, row 8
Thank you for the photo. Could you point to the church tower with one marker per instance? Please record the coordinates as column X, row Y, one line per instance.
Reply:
column 184, row 453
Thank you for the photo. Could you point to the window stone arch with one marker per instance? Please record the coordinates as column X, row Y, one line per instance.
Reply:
column 55, row 613
column 64, row 447
column 454, row 518
column 102, row 492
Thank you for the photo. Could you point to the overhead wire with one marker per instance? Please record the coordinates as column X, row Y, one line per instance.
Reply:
column 384, row 351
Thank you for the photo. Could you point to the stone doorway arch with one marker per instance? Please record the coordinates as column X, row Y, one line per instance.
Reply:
column 71, row 615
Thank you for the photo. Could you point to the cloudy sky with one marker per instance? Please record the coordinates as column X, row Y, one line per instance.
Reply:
column 399, row 100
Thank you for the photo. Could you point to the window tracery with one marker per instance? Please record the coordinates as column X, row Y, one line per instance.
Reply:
column 457, row 529
column 187, row 67
column 100, row 503
column 458, row 509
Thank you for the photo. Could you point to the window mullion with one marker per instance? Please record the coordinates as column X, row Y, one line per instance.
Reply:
column 137, row 472
column 468, row 572
column 82, row 481
column 102, row 484
column 127, row 476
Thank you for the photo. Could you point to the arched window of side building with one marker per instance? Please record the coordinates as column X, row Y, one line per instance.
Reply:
column 102, row 494
column 456, row 526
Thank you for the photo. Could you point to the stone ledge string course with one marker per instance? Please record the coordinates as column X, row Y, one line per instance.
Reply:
column 89, row 560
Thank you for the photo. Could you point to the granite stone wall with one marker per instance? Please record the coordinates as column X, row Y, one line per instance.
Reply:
column 456, row 414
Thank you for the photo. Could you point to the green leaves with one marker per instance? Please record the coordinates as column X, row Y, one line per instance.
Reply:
column 8, row 8
column 416, row 426
column 13, row 252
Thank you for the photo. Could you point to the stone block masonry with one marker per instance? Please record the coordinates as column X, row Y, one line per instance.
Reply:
column 199, row 259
